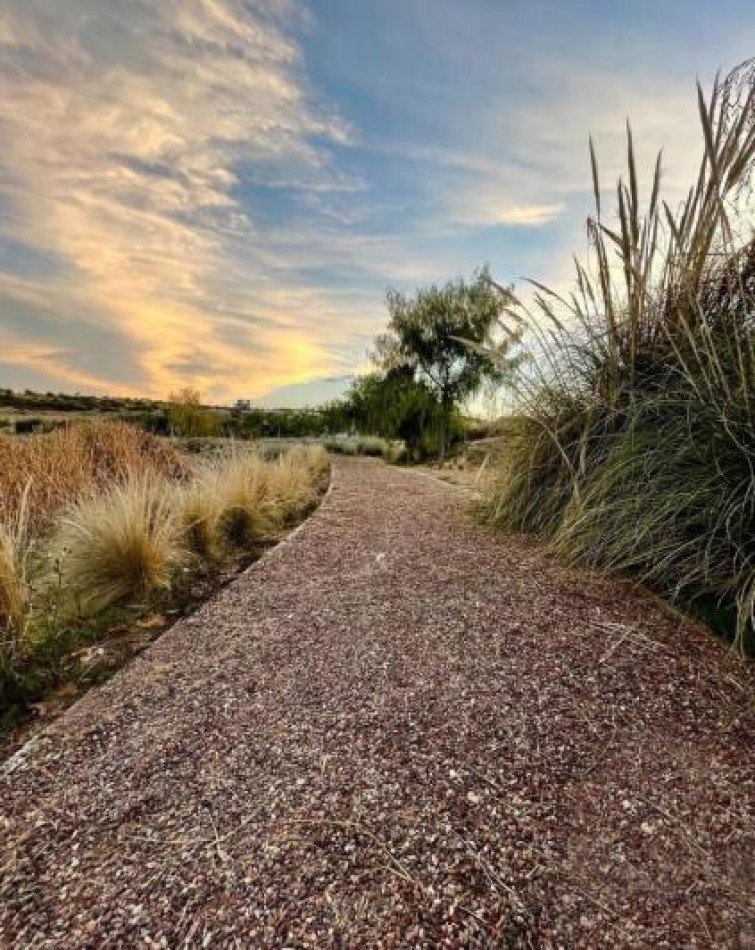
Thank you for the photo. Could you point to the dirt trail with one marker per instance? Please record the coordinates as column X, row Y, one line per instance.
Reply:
column 399, row 728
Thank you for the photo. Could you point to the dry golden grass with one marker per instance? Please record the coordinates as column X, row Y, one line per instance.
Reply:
column 127, row 541
column 240, row 483
column 121, row 517
column 123, row 543
column 240, row 497
column 59, row 467
column 14, row 583
column 200, row 511
column 292, row 480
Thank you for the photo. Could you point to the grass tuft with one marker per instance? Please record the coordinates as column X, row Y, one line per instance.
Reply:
column 240, row 482
column 633, row 447
column 15, row 595
column 293, row 480
column 199, row 507
column 122, row 544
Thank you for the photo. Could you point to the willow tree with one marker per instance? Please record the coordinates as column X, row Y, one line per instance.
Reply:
column 445, row 336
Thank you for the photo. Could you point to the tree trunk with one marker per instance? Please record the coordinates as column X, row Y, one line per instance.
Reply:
column 445, row 417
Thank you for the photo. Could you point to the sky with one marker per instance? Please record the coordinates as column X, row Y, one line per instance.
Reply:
column 217, row 193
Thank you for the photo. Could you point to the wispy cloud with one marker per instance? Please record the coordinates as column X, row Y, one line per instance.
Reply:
column 218, row 191
column 122, row 141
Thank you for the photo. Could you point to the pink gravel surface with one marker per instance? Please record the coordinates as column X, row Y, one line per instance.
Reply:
column 398, row 729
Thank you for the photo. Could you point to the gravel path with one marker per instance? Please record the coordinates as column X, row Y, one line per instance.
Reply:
column 398, row 729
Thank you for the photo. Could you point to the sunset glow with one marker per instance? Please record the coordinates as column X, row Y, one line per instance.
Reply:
column 217, row 192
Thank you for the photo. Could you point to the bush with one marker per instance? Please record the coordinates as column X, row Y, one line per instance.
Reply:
column 188, row 418
column 55, row 469
column 634, row 449
column 15, row 552
column 122, row 544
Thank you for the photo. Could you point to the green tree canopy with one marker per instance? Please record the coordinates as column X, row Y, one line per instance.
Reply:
column 395, row 405
column 444, row 337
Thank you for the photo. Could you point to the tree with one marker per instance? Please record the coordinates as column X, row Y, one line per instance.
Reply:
column 444, row 336
column 187, row 417
column 394, row 405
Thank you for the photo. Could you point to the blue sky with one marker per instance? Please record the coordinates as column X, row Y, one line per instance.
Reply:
column 218, row 192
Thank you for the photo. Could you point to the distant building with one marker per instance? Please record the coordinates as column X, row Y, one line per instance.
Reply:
column 243, row 405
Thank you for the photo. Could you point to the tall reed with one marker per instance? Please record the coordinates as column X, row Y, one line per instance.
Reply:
column 633, row 448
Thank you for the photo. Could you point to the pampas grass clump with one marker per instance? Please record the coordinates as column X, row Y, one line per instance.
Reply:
column 124, row 543
column 633, row 447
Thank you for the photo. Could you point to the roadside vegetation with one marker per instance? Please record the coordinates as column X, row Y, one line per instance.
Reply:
column 106, row 533
column 633, row 445
column 390, row 412
column 434, row 356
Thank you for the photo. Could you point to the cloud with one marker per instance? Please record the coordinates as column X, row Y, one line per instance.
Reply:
column 123, row 166
column 491, row 211
column 181, row 202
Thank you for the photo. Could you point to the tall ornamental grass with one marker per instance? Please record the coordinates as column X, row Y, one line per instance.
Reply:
column 15, row 590
column 52, row 470
column 633, row 447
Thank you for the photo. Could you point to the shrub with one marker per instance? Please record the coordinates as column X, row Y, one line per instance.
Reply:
column 15, row 551
column 57, row 468
column 634, row 449
column 124, row 543
column 241, row 482
column 187, row 417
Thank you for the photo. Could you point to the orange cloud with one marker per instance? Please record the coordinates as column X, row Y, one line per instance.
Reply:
column 123, row 170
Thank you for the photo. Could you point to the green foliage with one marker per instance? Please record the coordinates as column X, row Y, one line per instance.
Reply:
column 396, row 405
column 188, row 418
column 307, row 422
column 634, row 447
column 442, row 338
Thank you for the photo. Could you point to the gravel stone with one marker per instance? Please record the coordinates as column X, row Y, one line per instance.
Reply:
column 399, row 728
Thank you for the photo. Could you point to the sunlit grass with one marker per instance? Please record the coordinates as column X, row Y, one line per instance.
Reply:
column 15, row 593
column 125, row 538
column 122, row 544
column 633, row 446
